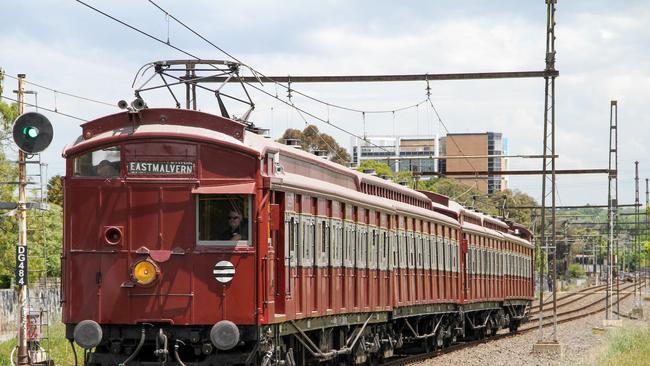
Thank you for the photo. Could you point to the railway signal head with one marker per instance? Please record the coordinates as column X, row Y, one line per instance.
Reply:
column 32, row 132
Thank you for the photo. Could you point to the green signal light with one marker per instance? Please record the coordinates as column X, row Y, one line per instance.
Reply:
column 31, row 132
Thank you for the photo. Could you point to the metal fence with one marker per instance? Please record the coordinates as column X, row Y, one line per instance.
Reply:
column 45, row 299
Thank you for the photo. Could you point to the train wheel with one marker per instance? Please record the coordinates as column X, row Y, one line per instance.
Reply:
column 482, row 332
column 288, row 358
column 440, row 340
column 490, row 328
column 372, row 360
column 514, row 326
column 427, row 345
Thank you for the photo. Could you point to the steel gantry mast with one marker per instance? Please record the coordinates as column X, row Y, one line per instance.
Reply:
column 548, row 175
column 612, row 202
column 637, row 309
column 636, row 234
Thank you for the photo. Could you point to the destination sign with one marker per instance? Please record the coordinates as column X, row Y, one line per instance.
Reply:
column 161, row 167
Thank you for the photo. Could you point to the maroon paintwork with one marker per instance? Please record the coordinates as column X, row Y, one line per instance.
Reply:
column 157, row 216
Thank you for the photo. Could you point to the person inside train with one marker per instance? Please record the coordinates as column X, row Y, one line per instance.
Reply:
column 106, row 169
column 234, row 230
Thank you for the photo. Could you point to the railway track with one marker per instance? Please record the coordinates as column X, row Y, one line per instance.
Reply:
column 569, row 315
column 563, row 317
column 574, row 297
column 562, row 299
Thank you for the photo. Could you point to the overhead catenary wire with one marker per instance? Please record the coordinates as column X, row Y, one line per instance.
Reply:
column 46, row 109
column 55, row 91
column 456, row 198
column 313, row 128
column 447, row 130
column 289, row 89
column 254, row 71
column 313, row 115
column 198, row 58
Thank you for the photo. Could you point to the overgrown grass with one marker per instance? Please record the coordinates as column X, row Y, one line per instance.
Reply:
column 59, row 348
column 627, row 347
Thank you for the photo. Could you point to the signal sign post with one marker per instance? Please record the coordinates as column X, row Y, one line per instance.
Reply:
column 32, row 133
column 21, row 265
column 23, row 356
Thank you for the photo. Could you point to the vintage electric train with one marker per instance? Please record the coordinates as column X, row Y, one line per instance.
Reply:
column 190, row 240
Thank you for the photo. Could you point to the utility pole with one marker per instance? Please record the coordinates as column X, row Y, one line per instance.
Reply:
column 23, row 356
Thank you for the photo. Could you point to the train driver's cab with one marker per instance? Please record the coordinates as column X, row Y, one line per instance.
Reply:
column 224, row 219
column 101, row 163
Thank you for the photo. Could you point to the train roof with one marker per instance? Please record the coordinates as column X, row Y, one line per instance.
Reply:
column 147, row 123
column 201, row 126
column 300, row 184
column 197, row 125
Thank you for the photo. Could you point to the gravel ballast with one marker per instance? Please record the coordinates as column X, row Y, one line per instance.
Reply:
column 581, row 345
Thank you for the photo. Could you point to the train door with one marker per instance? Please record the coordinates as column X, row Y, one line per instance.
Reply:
column 464, row 255
column 277, row 251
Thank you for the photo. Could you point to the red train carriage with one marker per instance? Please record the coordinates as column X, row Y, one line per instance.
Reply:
column 190, row 240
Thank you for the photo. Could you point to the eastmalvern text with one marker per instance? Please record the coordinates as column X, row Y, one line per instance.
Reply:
column 181, row 168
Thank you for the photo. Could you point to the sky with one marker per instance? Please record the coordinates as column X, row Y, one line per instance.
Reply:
column 602, row 55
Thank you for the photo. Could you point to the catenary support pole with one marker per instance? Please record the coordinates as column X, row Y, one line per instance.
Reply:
column 611, row 205
column 548, row 168
column 637, row 252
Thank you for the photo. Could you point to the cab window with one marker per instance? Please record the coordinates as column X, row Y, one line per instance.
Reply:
column 224, row 219
column 98, row 163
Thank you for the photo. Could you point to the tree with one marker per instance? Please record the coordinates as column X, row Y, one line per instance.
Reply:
column 516, row 199
column 490, row 204
column 381, row 169
column 459, row 192
column 8, row 173
column 55, row 190
column 311, row 140
column 575, row 271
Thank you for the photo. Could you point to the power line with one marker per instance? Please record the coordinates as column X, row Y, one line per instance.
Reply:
column 447, row 130
column 4, row 73
column 314, row 116
column 47, row 109
column 257, row 74
column 136, row 29
column 313, row 128
column 198, row 58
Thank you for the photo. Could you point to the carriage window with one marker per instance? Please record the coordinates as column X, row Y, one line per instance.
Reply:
column 98, row 163
column 224, row 219
column 323, row 237
column 292, row 231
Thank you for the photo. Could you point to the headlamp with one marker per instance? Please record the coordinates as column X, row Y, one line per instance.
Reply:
column 145, row 272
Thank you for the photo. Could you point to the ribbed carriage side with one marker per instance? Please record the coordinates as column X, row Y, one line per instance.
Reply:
column 484, row 263
column 518, row 268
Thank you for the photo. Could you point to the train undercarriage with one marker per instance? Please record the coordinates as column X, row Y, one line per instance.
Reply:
column 371, row 343
column 352, row 339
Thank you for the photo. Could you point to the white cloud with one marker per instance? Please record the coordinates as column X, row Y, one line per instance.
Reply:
column 602, row 55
